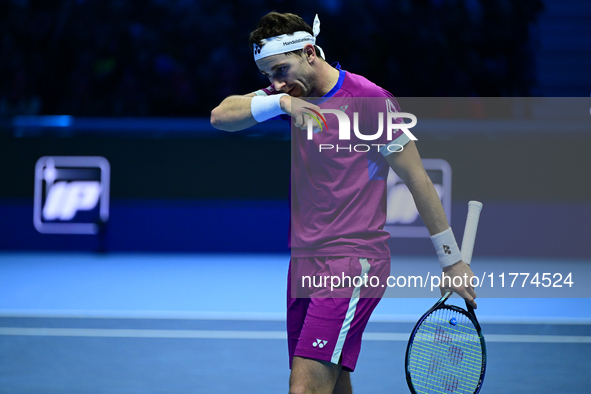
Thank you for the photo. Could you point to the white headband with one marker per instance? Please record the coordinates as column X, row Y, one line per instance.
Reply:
column 287, row 42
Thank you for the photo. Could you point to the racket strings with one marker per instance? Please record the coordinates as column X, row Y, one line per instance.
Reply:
column 442, row 348
column 446, row 354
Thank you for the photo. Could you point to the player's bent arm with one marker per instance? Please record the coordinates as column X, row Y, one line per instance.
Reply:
column 240, row 112
column 233, row 113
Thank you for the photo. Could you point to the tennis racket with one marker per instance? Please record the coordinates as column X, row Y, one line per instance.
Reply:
column 446, row 352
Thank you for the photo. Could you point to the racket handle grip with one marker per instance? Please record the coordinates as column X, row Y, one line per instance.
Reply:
column 474, row 208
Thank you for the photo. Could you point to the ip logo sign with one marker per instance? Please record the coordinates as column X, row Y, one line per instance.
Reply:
column 71, row 194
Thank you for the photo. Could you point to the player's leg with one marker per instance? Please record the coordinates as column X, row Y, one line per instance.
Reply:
column 297, row 308
column 343, row 385
column 308, row 375
column 313, row 376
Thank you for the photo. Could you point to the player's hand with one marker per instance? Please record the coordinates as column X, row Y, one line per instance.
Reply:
column 462, row 270
column 299, row 111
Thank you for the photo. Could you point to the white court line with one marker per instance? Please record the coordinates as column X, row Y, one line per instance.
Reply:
column 155, row 315
column 383, row 336
column 211, row 334
column 132, row 333
column 490, row 319
column 259, row 316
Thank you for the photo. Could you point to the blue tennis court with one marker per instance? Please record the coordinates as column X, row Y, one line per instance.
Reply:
column 212, row 323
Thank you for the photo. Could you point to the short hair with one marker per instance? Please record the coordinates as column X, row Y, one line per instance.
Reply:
column 275, row 24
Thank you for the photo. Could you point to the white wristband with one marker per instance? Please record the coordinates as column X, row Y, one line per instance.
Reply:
column 447, row 248
column 265, row 108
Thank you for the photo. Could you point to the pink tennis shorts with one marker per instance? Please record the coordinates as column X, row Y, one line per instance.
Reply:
column 326, row 316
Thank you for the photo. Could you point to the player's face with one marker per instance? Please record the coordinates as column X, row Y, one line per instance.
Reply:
column 290, row 74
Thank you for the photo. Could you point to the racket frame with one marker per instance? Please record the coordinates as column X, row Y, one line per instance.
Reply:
column 469, row 313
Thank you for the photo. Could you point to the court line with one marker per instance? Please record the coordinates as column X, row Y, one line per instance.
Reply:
column 381, row 336
column 140, row 314
column 491, row 319
column 133, row 333
column 258, row 316
column 214, row 334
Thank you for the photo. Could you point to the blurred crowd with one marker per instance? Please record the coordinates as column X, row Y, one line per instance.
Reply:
column 182, row 57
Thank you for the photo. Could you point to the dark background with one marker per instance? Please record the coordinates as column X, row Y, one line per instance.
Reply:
column 181, row 58
column 204, row 190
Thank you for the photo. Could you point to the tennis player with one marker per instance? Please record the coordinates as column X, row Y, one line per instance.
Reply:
column 338, row 199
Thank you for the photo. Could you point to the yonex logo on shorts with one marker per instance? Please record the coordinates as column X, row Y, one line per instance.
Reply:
column 320, row 343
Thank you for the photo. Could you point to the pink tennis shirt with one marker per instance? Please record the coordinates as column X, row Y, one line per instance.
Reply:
column 338, row 187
